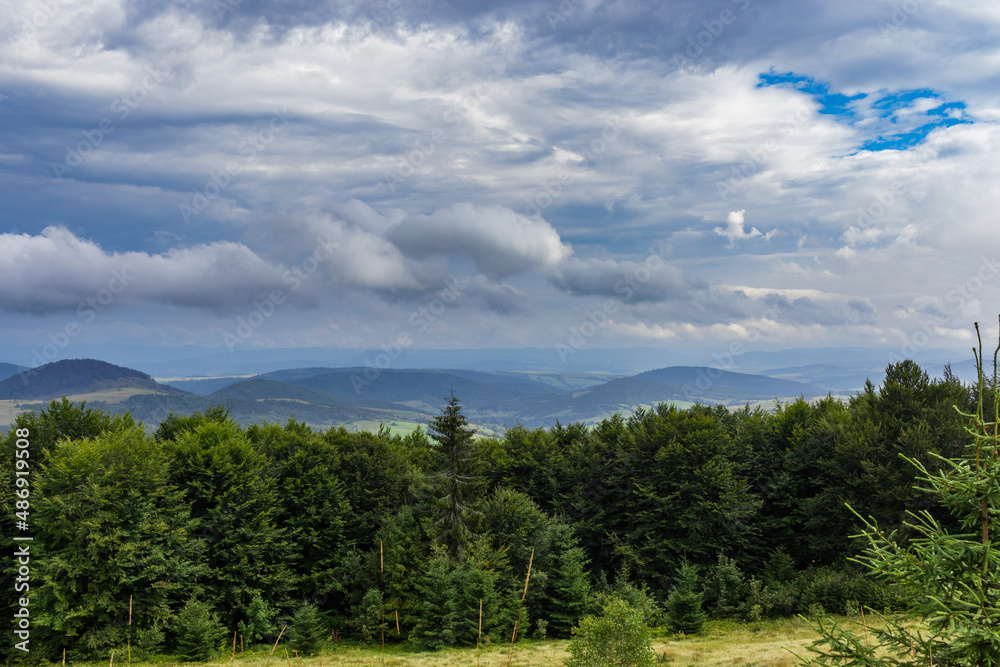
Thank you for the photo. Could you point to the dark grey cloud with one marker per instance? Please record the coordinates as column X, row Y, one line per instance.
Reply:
column 500, row 242
column 650, row 280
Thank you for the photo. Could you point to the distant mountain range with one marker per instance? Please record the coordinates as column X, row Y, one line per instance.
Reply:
column 403, row 398
column 840, row 369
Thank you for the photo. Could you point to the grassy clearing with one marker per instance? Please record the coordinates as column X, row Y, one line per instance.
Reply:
column 729, row 643
column 9, row 410
column 396, row 427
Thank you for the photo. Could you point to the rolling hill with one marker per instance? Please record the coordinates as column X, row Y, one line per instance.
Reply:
column 8, row 370
column 423, row 389
column 676, row 384
column 705, row 383
column 74, row 377
column 257, row 390
column 364, row 398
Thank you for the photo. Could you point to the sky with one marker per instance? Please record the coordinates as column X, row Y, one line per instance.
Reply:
column 728, row 174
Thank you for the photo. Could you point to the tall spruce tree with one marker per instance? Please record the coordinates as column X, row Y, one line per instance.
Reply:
column 953, row 578
column 455, row 481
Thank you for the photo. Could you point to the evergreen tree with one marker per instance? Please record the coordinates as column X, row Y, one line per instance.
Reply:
column 405, row 550
column 726, row 588
column 435, row 613
column 568, row 595
column 684, row 612
column 199, row 633
column 455, row 481
column 953, row 578
column 306, row 633
column 480, row 577
column 367, row 617
column 637, row 595
column 260, row 620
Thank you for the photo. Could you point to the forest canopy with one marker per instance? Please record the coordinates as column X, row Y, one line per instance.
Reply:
column 366, row 531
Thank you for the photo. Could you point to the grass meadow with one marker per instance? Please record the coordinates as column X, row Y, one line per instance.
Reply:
column 729, row 643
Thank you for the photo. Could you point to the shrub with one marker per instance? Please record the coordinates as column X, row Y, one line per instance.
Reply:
column 781, row 600
column 617, row 637
column 636, row 596
column 148, row 641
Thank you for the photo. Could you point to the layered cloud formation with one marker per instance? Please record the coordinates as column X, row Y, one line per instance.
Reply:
column 693, row 162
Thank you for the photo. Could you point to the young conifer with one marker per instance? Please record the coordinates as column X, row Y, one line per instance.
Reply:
column 684, row 612
column 953, row 579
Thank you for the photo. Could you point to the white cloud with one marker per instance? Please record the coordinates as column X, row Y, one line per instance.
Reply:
column 489, row 117
column 642, row 331
column 59, row 271
column 734, row 229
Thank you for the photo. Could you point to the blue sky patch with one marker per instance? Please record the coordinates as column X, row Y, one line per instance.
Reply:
column 835, row 104
column 894, row 120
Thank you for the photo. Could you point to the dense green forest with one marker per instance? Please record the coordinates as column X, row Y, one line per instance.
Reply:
column 249, row 528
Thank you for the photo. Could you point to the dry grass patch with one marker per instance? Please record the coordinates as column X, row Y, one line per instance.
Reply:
column 724, row 643
column 764, row 644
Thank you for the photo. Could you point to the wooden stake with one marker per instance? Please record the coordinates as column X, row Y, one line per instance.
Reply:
column 111, row 664
column 232, row 658
column 397, row 623
column 381, row 590
column 278, row 640
column 513, row 636
column 864, row 625
column 129, row 629
column 480, row 629
column 288, row 658
column 64, row 656
column 241, row 644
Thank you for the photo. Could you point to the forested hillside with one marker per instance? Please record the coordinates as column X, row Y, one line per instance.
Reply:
column 258, row 521
column 75, row 376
